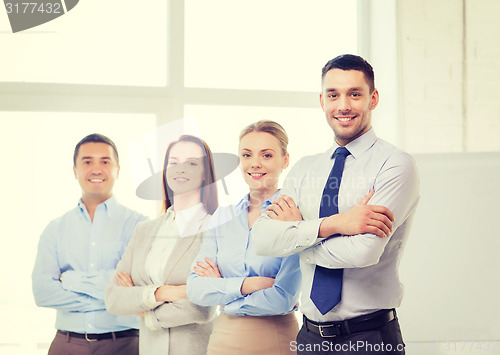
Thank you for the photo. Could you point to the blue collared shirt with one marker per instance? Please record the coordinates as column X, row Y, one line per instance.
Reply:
column 83, row 254
column 228, row 243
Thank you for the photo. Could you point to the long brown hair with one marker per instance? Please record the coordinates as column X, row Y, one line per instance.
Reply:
column 208, row 191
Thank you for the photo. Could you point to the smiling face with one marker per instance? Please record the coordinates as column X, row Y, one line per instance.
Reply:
column 185, row 168
column 96, row 170
column 262, row 160
column 347, row 103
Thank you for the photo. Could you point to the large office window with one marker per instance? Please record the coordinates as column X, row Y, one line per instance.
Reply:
column 112, row 42
column 265, row 45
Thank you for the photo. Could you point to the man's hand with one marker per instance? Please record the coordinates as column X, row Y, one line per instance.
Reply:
column 124, row 279
column 284, row 208
column 360, row 219
column 208, row 269
column 255, row 283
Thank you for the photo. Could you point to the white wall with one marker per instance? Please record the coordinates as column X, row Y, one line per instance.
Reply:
column 482, row 84
column 450, row 78
column 450, row 268
column 450, row 74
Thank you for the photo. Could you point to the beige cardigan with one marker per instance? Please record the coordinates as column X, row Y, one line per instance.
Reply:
column 189, row 325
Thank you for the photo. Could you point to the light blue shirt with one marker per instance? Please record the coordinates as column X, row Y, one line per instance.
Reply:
column 84, row 253
column 228, row 243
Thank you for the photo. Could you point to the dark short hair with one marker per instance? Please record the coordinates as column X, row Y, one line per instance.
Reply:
column 208, row 191
column 95, row 138
column 351, row 62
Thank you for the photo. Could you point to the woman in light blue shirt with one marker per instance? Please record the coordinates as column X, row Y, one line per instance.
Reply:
column 257, row 294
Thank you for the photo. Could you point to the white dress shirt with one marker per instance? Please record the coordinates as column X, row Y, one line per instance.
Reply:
column 173, row 227
column 371, row 280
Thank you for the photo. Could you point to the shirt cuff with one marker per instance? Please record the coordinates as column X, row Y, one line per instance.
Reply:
column 307, row 256
column 69, row 279
column 316, row 255
column 233, row 308
column 234, row 287
column 307, row 235
column 148, row 297
column 150, row 320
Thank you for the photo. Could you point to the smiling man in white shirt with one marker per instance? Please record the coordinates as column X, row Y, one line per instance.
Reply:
column 360, row 243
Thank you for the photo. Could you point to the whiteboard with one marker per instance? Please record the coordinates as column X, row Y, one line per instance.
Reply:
column 451, row 264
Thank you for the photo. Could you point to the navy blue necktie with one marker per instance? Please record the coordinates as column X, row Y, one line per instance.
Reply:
column 327, row 283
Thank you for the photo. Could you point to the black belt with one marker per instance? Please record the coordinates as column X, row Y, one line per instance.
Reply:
column 95, row 337
column 353, row 325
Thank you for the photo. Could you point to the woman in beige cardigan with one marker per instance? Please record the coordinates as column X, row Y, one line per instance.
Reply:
column 150, row 279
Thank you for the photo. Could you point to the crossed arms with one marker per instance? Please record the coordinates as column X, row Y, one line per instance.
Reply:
column 241, row 294
column 162, row 306
column 72, row 290
column 353, row 239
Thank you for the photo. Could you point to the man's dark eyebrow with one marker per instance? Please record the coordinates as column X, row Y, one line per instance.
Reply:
column 356, row 88
column 88, row 158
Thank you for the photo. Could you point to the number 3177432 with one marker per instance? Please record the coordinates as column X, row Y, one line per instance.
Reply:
column 34, row 7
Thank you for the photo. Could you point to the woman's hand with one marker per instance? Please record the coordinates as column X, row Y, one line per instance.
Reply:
column 208, row 269
column 170, row 293
column 255, row 283
column 124, row 279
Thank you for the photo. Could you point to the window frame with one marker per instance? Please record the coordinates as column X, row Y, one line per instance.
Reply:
column 166, row 102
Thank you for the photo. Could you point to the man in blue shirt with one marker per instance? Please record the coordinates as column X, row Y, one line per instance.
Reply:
column 78, row 253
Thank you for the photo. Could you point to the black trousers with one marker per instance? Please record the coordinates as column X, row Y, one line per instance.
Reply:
column 384, row 340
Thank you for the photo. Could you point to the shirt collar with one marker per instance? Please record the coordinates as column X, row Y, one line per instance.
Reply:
column 189, row 213
column 359, row 145
column 245, row 202
column 186, row 214
column 184, row 219
column 170, row 212
column 110, row 205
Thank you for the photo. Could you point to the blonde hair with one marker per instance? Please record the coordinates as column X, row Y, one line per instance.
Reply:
column 271, row 127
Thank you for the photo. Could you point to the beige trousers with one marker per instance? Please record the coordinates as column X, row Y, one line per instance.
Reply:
column 247, row 335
